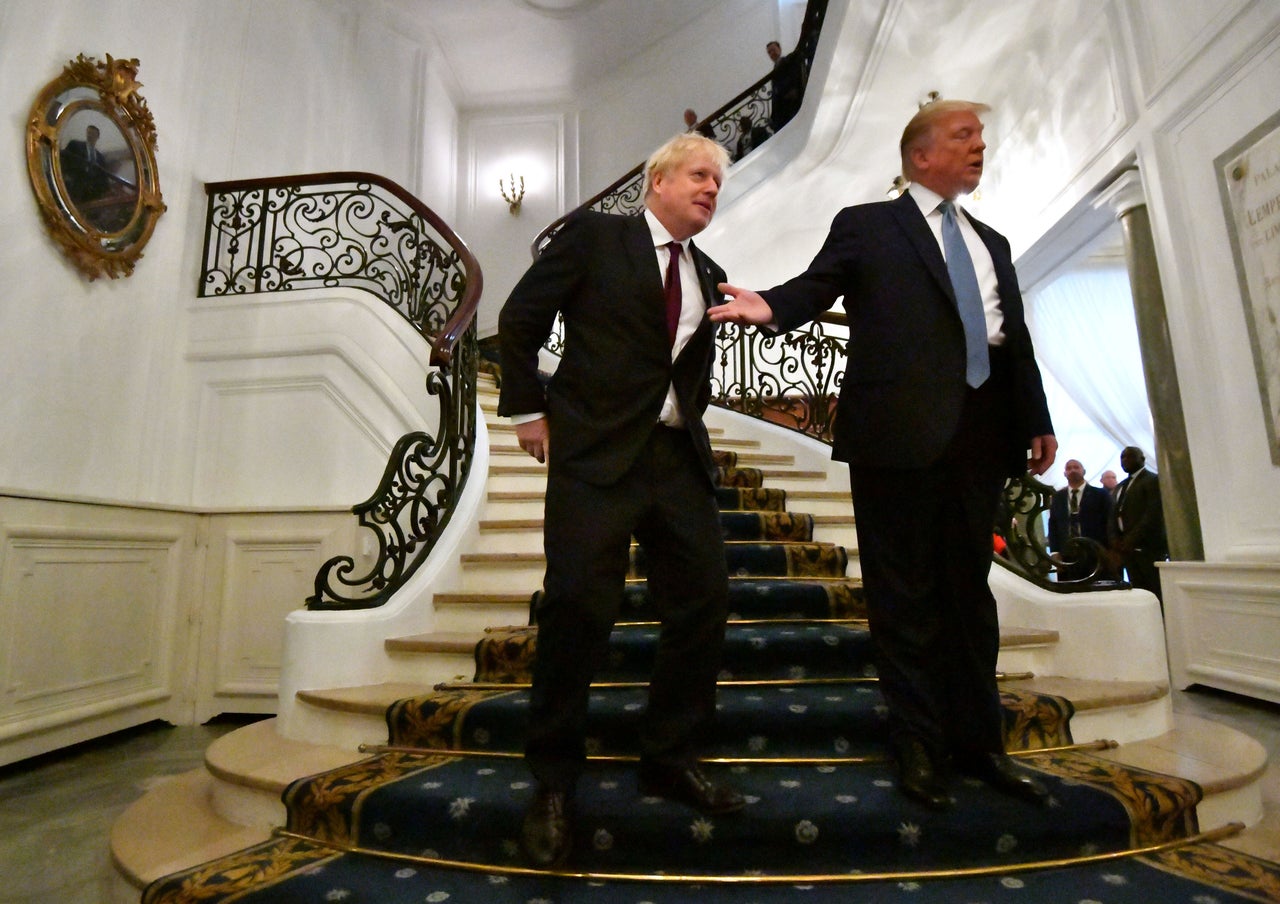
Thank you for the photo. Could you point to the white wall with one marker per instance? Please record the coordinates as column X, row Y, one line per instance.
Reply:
column 704, row 66
column 108, row 406
column 539, row 146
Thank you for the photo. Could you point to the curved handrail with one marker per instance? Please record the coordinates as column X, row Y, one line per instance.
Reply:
column 442, row 340
column 361, row 230
column 1020, row 522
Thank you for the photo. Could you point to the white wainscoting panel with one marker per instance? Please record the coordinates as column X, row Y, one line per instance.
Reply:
column 261, row 568
column 94, row 611
column 1223, row 626
column 114, row 615
column 86, row 617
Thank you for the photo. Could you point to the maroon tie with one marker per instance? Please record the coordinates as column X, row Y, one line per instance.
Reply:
column 671, row 288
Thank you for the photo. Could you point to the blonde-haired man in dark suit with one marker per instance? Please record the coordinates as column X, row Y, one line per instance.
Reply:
column 620, row 426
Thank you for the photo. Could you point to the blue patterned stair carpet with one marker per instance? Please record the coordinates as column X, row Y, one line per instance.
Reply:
column 434, row 816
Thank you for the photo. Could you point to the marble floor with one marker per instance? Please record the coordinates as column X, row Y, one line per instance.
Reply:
column 56, row 811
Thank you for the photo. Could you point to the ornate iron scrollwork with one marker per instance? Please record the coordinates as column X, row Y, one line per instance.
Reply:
column 416, row 497
column 748, row 113
column 792, row 379
column 1024, row 508
column 360, row 231
column 347, row 230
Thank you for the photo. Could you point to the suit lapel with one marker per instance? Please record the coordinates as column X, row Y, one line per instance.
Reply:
column 908, row 214
column 710, row 294
column 638, row 243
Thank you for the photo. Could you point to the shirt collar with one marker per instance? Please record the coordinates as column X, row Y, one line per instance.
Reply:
column 926, row 199
column 659, row 232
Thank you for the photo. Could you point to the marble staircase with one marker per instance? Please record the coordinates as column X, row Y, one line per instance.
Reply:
column 234, row 800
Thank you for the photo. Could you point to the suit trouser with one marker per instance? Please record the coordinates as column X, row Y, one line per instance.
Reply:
column 1143, row 572
column 925, row 544
column 666, row 501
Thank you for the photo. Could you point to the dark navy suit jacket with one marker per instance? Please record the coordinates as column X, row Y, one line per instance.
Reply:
column 601, row 273
column 904, row 386
column 1095, row 510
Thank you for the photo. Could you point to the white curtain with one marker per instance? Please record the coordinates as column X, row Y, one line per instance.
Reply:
column 1087, row 345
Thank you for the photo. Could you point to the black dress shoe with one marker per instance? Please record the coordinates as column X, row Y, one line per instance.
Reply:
column 546, row 836
column 918, row 778
column 692, row 787
column 1000, row 772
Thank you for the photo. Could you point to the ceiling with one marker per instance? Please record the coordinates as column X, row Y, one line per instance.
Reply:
column 517, row 51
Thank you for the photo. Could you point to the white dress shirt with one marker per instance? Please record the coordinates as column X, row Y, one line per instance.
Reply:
column 928, row 201
column 692, row 309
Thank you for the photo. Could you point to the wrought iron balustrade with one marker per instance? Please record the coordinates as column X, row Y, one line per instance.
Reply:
column 748, row 112
column 791, row 379
column 361, row 231
column 1024, row 508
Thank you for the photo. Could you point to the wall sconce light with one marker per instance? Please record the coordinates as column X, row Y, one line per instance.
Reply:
column 899, row 185
column 931, row 97
column 512, row 195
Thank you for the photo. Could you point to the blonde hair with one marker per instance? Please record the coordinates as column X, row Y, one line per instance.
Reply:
column 919, row 131
column 679, row 149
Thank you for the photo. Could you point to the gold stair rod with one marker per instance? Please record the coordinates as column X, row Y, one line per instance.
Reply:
column 1002, row 869
column 732, row 682
column 460, row 753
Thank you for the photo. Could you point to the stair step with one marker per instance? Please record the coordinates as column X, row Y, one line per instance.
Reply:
column 436, row 642
column 520, row 524
column 171, row 827
column 744, row 458
column 464, row 642
column 259, row 757
column 1087, row 694
column 481, row 599
column 174, row 826
column 1014, row 636
column 467, row 612
column 515, row 496
column 504, row 426
column 525, row 524
column 369, row 699
column 1216, row 759
column 503, row 559
column 1124, row 711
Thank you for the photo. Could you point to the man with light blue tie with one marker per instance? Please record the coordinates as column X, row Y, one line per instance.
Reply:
column 941, row 402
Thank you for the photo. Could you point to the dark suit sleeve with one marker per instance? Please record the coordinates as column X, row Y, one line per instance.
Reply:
column 1097, row 508
column 1144, row 515
column 802, row 298
column 528, row 316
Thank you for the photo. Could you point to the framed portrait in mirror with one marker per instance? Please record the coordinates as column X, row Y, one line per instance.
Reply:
column 91, row 149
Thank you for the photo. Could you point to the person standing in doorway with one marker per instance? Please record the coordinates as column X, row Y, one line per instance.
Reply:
column 1137, row 522
column 1078, row 510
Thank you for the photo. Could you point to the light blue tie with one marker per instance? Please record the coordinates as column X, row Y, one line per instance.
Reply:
column 968, row 298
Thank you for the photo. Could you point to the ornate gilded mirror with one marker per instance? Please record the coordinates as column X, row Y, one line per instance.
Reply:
column 91, row 155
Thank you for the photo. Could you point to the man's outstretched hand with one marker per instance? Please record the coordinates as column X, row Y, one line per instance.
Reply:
column 744, row 306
